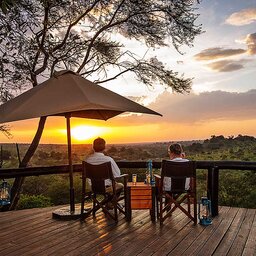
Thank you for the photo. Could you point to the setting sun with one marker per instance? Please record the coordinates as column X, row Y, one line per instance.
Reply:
column 83, row 132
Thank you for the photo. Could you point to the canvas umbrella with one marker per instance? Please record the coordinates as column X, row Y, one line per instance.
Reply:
column 70, row 95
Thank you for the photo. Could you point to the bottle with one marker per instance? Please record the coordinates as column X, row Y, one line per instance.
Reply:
column 150, row 172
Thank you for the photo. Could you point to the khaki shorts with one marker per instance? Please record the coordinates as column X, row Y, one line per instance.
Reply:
column 119, row 188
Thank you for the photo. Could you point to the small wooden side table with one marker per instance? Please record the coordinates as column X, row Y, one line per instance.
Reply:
column 141, row 196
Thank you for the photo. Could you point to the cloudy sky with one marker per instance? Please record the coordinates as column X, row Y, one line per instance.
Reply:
column 222, row 64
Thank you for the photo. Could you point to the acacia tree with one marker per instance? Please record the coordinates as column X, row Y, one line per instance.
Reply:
column 38, row 37
column 5, row 5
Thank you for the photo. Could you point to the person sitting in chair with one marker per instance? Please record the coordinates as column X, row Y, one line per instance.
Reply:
column 98, row 157
column 176, row 154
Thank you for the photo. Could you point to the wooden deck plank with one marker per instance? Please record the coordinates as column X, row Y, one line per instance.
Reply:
column 50, row 236
column 242, row 235
column 124, row 238
column 185, row 237
column 28, row 223
column 33, row 239
column 30, row 227
column 231, row 234
column 34, row 232
column 211, row 244
column 250, row 246
column 101, row 243
column 206, row 233
column 164, row 234
column 79, row 235
column 18, row 217
column 76, row 241
column 147, row 235
column 62, row 243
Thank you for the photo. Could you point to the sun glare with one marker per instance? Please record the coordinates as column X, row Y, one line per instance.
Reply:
column 83, row 132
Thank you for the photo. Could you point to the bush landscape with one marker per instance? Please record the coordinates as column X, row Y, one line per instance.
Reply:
column 237, row 188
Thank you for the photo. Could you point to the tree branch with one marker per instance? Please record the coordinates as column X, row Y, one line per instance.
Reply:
column 73, row 24
column 34, row 73
column 109, row 25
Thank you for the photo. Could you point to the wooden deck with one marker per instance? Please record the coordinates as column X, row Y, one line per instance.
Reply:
column 34, row 232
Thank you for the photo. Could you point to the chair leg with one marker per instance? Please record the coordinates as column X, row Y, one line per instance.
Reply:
column 82, row 205
column 188, row 202
column 115, row 209
column 195, row 210
column 83, row 194
column 161, row 210
column 157, row 207
column 94, row 205
column 167, row 204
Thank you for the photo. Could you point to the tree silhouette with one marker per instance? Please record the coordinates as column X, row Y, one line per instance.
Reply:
column 88, row 37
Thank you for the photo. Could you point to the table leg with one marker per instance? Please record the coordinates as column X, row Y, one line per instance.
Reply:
column 128, row 203
column 153, row 210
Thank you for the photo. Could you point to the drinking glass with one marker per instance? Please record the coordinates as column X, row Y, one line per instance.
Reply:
column 134, row 178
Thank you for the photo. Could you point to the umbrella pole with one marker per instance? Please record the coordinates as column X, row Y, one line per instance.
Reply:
column 71, row 183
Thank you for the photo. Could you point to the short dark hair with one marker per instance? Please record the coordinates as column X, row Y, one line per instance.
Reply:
column 99, row 144
column 176, row 148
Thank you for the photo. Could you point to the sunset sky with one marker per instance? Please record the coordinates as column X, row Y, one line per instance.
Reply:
column 223, row 97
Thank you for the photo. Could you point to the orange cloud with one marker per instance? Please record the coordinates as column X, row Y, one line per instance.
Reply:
column 243, row 17
column 217, row 53
column 227, row 65
column 250, row 40
column 193, row 108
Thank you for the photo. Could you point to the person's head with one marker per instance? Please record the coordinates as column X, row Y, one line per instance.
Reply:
column 175, row 150
column 99, row 145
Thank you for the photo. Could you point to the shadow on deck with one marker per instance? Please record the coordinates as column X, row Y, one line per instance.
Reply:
column 34, row 232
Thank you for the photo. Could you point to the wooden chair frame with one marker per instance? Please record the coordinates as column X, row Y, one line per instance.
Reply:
column 98, row 174
column 178, row 196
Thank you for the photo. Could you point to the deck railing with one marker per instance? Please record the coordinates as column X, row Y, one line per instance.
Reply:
column 213, row 168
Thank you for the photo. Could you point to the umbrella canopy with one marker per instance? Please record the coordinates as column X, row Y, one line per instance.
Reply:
column 67, row 93
column 70, row 95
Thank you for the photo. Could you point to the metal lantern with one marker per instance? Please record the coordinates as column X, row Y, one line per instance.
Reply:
column 5, row 196
column 205, row 213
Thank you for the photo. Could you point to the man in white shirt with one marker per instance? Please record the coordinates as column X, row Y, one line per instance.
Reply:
column 98, row 157
column 176, row 154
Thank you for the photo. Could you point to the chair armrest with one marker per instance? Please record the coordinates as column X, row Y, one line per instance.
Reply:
column 158, row 181
column 157, row 176
column 122, row 176
column 125, row 180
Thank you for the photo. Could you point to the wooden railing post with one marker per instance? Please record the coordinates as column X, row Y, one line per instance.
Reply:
column 213, row 189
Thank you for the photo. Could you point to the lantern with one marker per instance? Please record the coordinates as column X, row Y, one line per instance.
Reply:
column 205, row 205
column 5, row 193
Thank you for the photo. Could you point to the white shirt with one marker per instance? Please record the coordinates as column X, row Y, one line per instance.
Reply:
column 168, row 180
column 100, row 158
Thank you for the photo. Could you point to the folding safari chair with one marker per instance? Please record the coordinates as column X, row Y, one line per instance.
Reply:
column 178, row 197
column 100, row 195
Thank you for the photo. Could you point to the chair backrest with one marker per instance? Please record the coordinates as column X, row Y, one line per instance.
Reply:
column 178, row 172
column 98, row 174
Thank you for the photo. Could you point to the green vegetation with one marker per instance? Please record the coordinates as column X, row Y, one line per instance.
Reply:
column 237, row 188
column 34, row 201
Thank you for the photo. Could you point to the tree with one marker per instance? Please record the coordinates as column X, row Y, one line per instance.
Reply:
column 38, row 37
column 5, row 5
column 112, row 150
column 5, row 129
